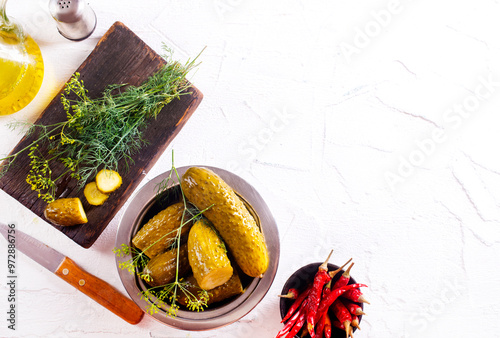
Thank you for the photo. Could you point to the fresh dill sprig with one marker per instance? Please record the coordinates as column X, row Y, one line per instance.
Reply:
column 98, row 133
column 139, row 260
column 195, row 303
column 169, row 293
column 162, row 190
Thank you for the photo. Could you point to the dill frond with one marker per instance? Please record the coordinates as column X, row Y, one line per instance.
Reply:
column 159, row 296
column 98, row 133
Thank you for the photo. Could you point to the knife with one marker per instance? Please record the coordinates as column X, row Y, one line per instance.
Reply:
column 62, row 266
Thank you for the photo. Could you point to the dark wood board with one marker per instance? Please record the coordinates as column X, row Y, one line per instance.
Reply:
column 119, row 57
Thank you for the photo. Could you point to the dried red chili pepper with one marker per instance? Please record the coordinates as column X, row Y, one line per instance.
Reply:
column 332, row 296
column 343, row 315
column 289, row 325
column 295, row 306
column 320, row 279
column 292, row 294
column 298, row 325
column 327, row 290
column 320, row 326
column 341, row 326
column 328, row 326
column 356, row 296
column 344, row 279
column 322, row 320
column 353, row 308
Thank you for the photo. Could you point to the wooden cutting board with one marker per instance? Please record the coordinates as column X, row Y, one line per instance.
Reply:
column 119, row 57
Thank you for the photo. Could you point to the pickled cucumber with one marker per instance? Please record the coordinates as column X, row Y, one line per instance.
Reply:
column 93, row 195
column 157, row 234
column 207, row 256
column 238, row 229
column 66, row 212
column 162, row 267
column 231, row 288
column 108, row 181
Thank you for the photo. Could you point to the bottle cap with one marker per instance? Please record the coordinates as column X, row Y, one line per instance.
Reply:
column 75, row 19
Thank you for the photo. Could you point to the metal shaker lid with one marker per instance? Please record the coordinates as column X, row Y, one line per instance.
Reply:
column 75, row 19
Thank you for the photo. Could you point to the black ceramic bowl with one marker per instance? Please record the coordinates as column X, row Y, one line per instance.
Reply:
column 300, row 280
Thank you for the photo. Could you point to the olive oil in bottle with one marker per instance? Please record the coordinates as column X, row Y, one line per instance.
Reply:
column 21, row 66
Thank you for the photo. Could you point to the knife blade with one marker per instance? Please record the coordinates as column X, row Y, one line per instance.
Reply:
column 65, row 268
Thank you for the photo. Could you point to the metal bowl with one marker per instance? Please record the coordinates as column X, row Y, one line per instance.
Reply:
column 145, row 204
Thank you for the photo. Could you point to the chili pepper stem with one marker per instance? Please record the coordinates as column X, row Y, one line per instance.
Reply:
column 334, row 272
column 362, row 299
column 292, row 294
column 355, row 322
column 328, row 286
column 348, row 271
column 324, row 266
column 344, row 279
column 353, row 307
column 347, row 325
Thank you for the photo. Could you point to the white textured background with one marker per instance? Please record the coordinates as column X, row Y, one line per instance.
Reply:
column 370, row 127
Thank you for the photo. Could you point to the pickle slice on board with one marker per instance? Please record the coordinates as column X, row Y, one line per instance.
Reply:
column 93, row 195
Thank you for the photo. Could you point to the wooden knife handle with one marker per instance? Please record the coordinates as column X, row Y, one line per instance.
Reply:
column 100, row 291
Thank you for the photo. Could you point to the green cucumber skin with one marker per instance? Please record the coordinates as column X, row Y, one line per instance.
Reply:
column 233, row 221
column 231, row 288
column 160, row 228
column 162, row 267
column 207, row 255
